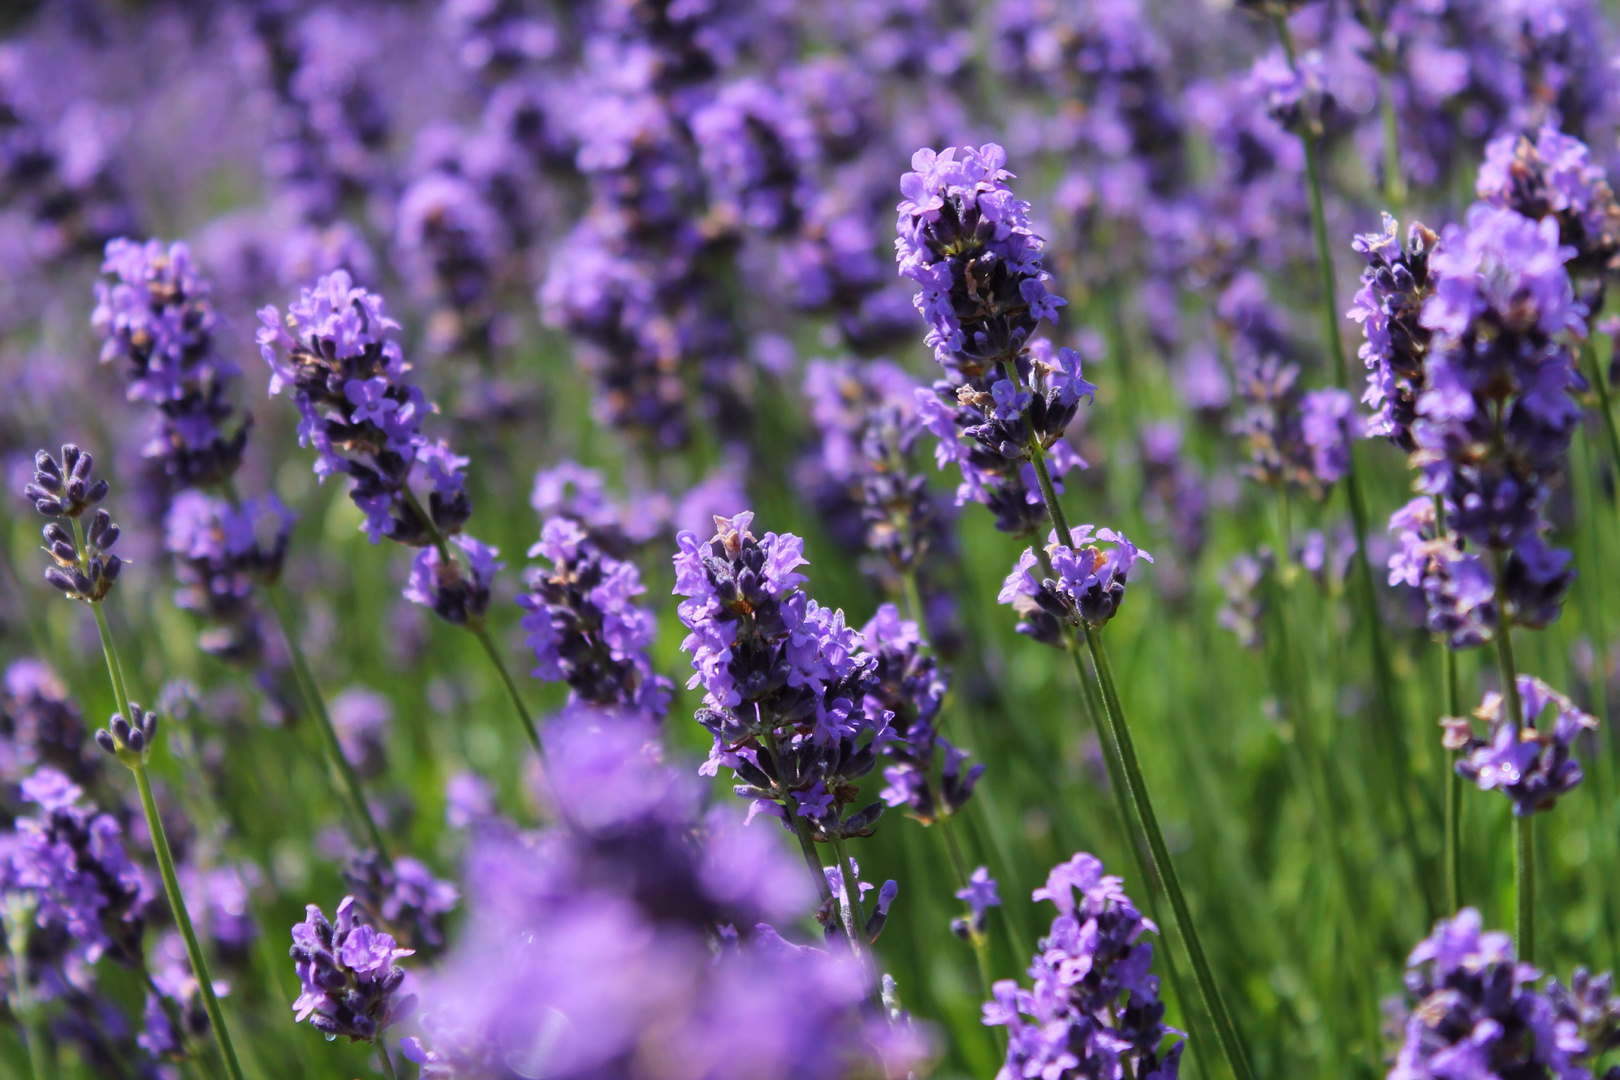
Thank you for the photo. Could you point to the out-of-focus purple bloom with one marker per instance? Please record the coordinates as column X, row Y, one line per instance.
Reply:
column 785, row 680
column 219, row 899
column 1528, row 761
column 1326, row 422
column 633, row 938
column 404, row 898
column 1295, row 438
column 41, row 725
column 348, row 976
column 1087, row 589
column 757, row 148
column 361, row 718
column 450, row 239
column 469, row 800
column 584, row 625
column 1094, row 1007
column 1243, row 606
column 172, row 976
column 221, row 552
column 73, row 859
column 1176, row 494
column 979, row 894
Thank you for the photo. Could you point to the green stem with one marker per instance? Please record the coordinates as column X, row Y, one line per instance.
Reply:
column 1383, row 678
column 1454, row 782
column 482, row 634
column 323, row 723
column 913, row 597
column 382, row 1054
column 1394, row 178
column 802, row 828
column 39, row 1057
column 1225, row 1030
column 177, row 904
column 854, row 909
column 1524, row 881
column 1600, row 384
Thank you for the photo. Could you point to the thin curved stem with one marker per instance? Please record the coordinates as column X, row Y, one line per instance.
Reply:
column 323, row 722
column 1225, row 1030
column 18, row 927
column 382, row 1054
column 482, row 634
column 177, row 904
column 1383, row 677
column 1454, row 782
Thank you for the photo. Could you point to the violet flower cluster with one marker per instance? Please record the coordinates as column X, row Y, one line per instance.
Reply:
column 1394, row 288
column 863, row 480
column 348, row 979
column 72, row 859
column 1476, row 1011
column 910, row 688
column 785, row 681
column 1529, row 762
column 1296, row 438
column 584, row 625
column 1093, row 1008
column 968, row 244
column 1086, row 586
column 404, row 899
column 364, row 418
column 41, row 725
column 84, row 568
column 633, row 937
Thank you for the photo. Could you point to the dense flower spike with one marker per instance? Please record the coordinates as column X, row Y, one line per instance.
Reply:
column 458, row 595
column 584, row 625
column 1459, row 594
column 785, row 680
column 1087, row 589
column 1296, row 439
column 83, row 571
column 1530, row 764
column 73, row 860
column 1554, row 176
column 1394, row 288
column 349, row 979
column 156, row 318
column 1476, row 1011
column 221, row 552
column 1094, row 1008
column 646, row 923
column 910, row 689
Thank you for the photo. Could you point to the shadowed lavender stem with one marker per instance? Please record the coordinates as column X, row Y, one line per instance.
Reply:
column 1524, row 839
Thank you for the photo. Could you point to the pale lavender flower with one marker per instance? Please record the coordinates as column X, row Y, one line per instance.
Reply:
column 1528, row 760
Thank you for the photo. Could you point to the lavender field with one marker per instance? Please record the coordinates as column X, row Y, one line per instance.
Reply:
column 788, row 540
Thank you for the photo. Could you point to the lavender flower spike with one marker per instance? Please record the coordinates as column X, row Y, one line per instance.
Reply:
column 1094, row 1008
column 348, row 975
column 85, row 569
column 1088, row 588
column 1531, row 765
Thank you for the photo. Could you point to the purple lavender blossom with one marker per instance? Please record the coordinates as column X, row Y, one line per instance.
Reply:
column 584, row 625
column 1094, row 1008
column 757, row 148
column 220, row 899
column 458, row 595
column 1087, row 589
column 1296, row 439
column 361, row 718
column 1458, row 590
column 784, row 679
column 451, row 240
column 404, row 898
column 1554, row 176
column 979, row 894
column 1243, row 607
column 156, row 318
column 1529, row 762
column 221, row 552
column 41, row 725
column 175, row 997
column 469, row 800
column 1394, row 288
column 349, row 979
column 637, row 930
column 910, row 688
column 1476, row 1012
column 1176, row 494
column 73, row 859
column 66, row 490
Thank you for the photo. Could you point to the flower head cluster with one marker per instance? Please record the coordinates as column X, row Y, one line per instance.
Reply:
column 979, row 894
column 348, row 975
column 757, row 147
column 404, row 898
column 155, row 318
column 1528, row 760
column 1459, row 592
column 1093, row 1008
column 785, row 680
column 221, row 552
column 40, row 724
column 83, row 570
column 910, row 689
column 1554, row 176
column 1086, row 588
column 451, row 240
column 175, row 997
column 456, row 593
column 1495, row 417
column 1244, row 583
column 584, row 625
column 360, row 719
column 633, row 938
column 1296, row 438
column 73, row 860
column 1476, row 1011
column 1389, row 307
column 861, row 474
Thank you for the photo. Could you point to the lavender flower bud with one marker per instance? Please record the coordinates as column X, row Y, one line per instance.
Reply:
column 67, row 491
column 131, row 740
column 348, row 975
column 1530, row 764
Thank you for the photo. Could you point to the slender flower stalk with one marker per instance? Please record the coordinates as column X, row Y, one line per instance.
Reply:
column 1454, row 780
column 17, row 916
column 1394, row 734
column 1524, row 881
